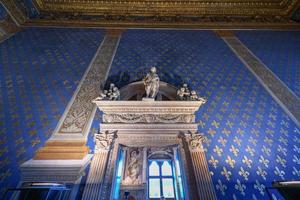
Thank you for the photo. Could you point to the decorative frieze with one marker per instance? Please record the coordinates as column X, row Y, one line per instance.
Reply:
column 148, row 118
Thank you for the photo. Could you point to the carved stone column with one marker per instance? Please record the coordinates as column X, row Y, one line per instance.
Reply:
column 104, row 143
column 203, row 179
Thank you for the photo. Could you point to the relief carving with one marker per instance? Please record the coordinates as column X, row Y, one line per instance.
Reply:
column 134, row 167
column 81, row 109
column 162, row 150
column 148, row 118
column 103, row 141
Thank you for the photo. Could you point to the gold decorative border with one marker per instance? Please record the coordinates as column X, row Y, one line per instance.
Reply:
column 170, row 8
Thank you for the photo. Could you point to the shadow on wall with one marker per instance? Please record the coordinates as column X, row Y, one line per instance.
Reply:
column 122, row 78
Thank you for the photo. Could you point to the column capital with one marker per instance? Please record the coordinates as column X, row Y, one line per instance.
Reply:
column 104, row 141
column 194, row 140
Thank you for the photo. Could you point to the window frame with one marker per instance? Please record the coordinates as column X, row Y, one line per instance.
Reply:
column 160, row 162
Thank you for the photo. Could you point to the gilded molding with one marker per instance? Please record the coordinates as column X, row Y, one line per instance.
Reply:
column 62, row 150
column 170, row 8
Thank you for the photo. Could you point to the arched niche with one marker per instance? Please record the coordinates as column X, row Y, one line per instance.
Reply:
column 136, row 91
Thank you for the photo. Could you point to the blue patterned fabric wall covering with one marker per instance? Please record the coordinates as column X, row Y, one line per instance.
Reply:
column 250, row 140
column 39, row 71
column 279, row 50
column 3, row 12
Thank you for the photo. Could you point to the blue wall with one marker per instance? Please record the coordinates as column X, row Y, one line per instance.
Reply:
column 279, row 50
column 39, row 71
column 249, row 137
column 251, row 141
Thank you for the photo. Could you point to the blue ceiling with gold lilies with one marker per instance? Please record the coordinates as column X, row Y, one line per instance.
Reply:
column 40, row 69
column 251, row 142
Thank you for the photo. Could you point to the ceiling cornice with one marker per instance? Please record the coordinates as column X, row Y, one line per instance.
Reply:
column 170, row 7
column 195, row 14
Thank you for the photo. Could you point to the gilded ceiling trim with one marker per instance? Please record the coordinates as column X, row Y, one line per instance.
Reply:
column 169, row 8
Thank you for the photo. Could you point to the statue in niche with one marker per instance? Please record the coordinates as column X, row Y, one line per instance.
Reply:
column 134, row 168
column 151, row 82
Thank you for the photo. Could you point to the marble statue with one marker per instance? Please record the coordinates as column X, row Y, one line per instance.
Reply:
column 112, row 94
column 111, row 88
column 184, row 93
column 134, row 169
column 115, row 94
column 151, row 82
column 103, row 95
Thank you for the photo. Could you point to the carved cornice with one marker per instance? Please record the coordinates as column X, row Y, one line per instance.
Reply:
column 200, row 14
column 145, row 107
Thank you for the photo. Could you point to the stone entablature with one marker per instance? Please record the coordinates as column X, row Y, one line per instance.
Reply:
column 148, row 117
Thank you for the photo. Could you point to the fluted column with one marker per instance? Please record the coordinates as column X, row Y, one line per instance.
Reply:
column 205, row 186
column 103, row 145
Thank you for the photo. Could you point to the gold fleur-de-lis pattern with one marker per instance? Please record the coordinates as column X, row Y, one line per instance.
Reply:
column 40, row 69
column 282, row 60
column 250, row 140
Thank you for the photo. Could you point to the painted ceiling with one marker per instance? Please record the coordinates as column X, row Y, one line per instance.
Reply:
column 155, row 12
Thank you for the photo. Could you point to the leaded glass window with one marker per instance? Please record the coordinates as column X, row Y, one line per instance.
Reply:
column 161, row 181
